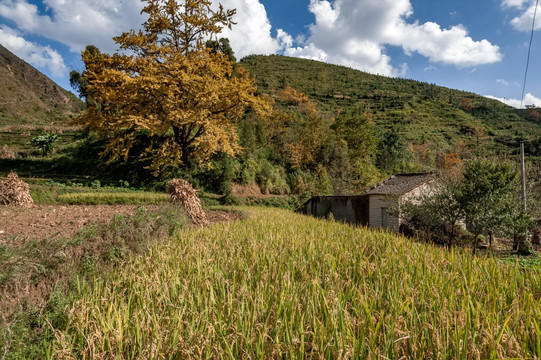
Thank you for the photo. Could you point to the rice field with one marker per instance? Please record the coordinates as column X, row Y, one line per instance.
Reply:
column 282, row 285
column 113, row 198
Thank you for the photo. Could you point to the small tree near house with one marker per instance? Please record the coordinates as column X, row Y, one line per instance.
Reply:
column 486, row 197
column 483, row 197
column 437, row 212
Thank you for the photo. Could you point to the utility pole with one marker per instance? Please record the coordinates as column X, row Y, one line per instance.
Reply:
column 523, row 175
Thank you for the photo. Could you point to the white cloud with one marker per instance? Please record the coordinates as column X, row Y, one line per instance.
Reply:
column 37, row 55
column 252, row 33
column 448, row 46
column 284, row 39
column 524, row 21
column 355, row 32
column 369, row 54
column 77, row 23
column 529, row 99
column 308, row 52
column 326, row 15
column 515, row 3
column 22, row 13
column 503, row 82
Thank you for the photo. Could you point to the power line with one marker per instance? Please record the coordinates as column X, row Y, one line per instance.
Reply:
column 529, row 51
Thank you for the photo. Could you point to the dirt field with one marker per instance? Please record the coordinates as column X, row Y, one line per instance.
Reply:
column 47, row 221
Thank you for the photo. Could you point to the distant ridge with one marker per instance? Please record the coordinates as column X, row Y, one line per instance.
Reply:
column 28, row 97
column 428, row 115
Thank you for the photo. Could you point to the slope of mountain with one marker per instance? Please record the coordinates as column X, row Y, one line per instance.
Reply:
column 425, row 113
column 27, row 97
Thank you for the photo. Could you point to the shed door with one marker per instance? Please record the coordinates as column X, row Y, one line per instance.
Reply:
column 384, row 218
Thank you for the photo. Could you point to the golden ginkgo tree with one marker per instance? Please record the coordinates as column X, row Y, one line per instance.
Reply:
column 166, row 87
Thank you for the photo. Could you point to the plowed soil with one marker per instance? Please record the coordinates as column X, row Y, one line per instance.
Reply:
column 48, row 221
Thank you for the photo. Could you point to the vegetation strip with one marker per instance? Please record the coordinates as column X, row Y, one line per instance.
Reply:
column 284, row 285
column 111, row 198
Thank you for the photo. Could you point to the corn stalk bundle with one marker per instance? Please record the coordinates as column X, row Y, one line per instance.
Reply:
column 15, row 192
column 7, row 153
column 182, row 192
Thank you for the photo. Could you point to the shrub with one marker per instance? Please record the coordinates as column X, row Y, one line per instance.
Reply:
column 45, row 143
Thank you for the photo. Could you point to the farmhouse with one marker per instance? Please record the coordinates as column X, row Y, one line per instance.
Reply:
column 375, row 207
column 388, row 194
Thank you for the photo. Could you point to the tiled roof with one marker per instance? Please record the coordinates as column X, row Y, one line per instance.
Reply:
column 400, row 184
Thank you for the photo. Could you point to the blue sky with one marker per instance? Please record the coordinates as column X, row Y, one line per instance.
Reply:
column 478, row 46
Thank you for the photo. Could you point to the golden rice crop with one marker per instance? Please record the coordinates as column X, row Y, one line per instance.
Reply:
column 282, row 285
column 111, row 198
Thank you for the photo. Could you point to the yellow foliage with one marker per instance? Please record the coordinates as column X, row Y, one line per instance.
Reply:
column 292, row 96
column 168, row 89
column 301, row 131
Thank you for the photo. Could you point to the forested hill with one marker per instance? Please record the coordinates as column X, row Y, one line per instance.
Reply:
column 29, row 97
column 426, row 114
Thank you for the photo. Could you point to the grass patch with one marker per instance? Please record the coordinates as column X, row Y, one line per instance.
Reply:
column 283, row 285
column 532, row 261
column 50, row 192
column 113, row 198
column 43, row 194
column 39, row 278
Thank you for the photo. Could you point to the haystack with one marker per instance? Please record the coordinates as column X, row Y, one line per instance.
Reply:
column 182, row 192
column 7, row 153
column 15, row 192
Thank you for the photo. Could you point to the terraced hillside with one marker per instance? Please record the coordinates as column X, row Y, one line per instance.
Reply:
column 30, row 103
column 425, row 113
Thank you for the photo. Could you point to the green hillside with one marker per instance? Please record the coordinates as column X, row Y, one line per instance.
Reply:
column 31, row 103
column 425, row 113
column 27, row 97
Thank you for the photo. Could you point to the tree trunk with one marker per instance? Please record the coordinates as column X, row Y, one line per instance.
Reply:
column 451, row 236
column 524, row 247
column 180, row 139
column 490, row 241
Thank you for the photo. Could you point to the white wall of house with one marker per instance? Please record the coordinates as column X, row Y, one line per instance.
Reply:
column 380, row 204
column 423, row 189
